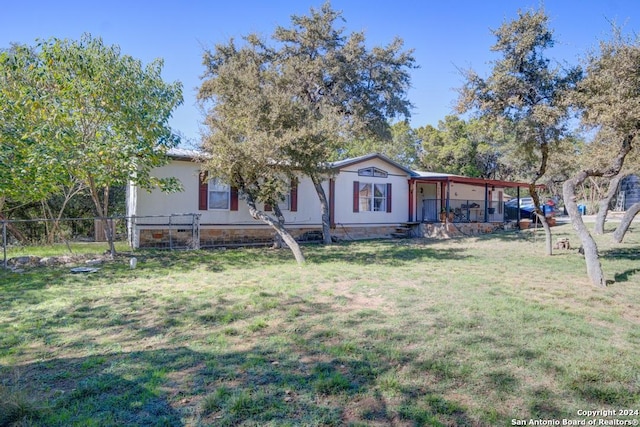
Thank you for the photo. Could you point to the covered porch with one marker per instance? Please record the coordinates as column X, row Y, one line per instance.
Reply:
column 445, row 198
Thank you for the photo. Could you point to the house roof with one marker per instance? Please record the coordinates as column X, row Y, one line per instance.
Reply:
column 419, row 176
column 185, row 154
column 354, row 160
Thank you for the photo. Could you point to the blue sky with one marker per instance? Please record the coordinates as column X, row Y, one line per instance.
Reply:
column 446, row 35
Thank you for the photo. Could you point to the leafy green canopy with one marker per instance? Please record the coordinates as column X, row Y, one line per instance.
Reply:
column 524, row 92
column 471, row 148
column 303, row 99
column 80, row 109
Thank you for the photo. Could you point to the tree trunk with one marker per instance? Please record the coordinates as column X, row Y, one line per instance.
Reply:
column 625, row 222
column 547, row 233
column 594, row 268
column 48, row 232
column 102, row 212
column 279, row 228
column 13, row 230
column 603, row 204
column 68, row 195
column 542, row 218
column 278, row 242
column 324, row 209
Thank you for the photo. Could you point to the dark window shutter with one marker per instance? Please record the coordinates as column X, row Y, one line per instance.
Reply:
column 293, row 196
column 203, row 191
column 356, row 196
column 233, row 202
column 389, row 197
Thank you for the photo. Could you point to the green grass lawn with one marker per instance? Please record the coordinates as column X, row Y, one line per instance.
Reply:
column 63, row 249
column 471, row 331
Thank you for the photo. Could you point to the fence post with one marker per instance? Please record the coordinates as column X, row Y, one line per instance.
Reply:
column 4, row 243
column 170, row 237
column 130, row 224
column 196, row 230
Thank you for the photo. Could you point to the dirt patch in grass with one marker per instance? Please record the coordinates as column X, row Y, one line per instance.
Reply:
column 349, row 296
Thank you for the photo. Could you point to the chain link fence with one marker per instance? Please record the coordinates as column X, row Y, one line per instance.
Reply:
column 30, row 241
column 42, row 241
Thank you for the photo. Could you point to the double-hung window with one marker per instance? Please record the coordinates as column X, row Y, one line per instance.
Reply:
column 219, row 194
column 372, row 197
column 285, row 204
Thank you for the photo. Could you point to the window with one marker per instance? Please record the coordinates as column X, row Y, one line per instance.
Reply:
column 218, row 194
column 372, row 197
column 285, row 204
column 289, row 201
column 213, row 194
column 372, row 171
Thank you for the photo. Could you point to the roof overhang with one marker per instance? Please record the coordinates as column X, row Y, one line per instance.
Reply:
column 185, row 154
column 472, row 181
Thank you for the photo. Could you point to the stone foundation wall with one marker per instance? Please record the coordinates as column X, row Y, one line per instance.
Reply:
column 162, row 238
column 211, row 237
column 365, row 232
column 216, row 237
column 449, row 230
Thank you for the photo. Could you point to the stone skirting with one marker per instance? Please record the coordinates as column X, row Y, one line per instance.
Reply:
column 238, row 236
column 161, row 237
column 449, row 230
column 349, row 232
column 165, row 238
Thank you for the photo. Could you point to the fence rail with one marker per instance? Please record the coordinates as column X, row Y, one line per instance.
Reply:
column 462, row 210
column 49, row 237
column 46, row 237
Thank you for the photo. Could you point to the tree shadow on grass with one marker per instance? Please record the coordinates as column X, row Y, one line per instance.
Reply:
column 179, row 386
column 303, row 377
column 626, row 254
column 311, row 379
column 151, row 263
column 632, row 254
column 384, row 252
column 24, row 285
column 626, row 275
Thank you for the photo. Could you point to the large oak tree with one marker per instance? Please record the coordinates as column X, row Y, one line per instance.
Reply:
column 525, row 90
column 336, row 91
column 609, row 100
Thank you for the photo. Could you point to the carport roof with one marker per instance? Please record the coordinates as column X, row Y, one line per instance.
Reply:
column 420, row 176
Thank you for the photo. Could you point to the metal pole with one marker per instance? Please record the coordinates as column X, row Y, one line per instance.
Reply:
column 197, row 225
column 518, row 218
column 486, row 202
column 170, row 236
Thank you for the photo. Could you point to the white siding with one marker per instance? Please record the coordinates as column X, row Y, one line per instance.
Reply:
column 186, row 201
column 344, row 195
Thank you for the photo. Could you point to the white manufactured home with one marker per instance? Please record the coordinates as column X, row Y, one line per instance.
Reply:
column 369, row 197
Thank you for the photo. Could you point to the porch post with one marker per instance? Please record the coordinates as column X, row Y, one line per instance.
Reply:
column 518, row 204
column 412, row 194
column 448, row 204
column 486, row 202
